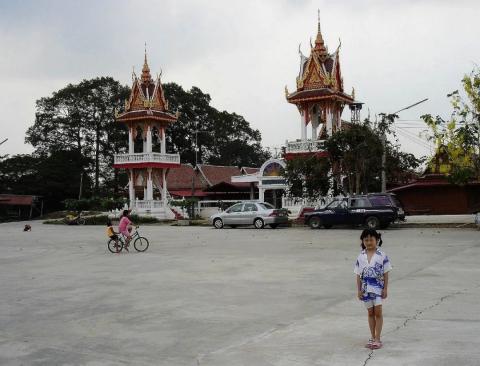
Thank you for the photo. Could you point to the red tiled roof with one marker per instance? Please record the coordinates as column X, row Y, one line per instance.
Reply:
column 429, row 180
column 249, row 170
column 188, row 193
column 146, row 113
column 311, row 94
column 16, row 200
column 181, row 179
column 215, row 174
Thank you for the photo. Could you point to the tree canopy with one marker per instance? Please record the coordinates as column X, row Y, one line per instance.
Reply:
column 75, row 137
column 457, row 139
column 223, row 138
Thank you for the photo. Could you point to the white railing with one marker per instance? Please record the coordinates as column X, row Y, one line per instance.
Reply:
column 147, row 158
column 305, row 146
column 148, row 204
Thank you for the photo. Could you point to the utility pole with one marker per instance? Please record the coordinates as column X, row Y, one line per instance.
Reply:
column 387, row 120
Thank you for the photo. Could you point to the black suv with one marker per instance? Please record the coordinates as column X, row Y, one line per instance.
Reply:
column 374, row 210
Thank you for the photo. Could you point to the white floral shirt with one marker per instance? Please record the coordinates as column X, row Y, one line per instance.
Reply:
column 372, row 273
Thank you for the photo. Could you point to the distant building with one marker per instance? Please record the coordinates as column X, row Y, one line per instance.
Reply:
column 20, row 206
column 320, row 99
column 147, row 117
column 433, row 194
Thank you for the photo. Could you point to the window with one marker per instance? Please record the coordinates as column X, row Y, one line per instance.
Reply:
column 250, row 207
column 266, row 206
column 235, row 208
column 380, row 201
column 360, row 202
column 337, row 204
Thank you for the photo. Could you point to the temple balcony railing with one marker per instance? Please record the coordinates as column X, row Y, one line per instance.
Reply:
column 305, row 146
column 148, row 204
column 152, row 157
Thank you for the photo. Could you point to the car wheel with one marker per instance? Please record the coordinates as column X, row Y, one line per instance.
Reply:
column 372, row 222
column 315, row 222
column 218, row 223
column 258, row 223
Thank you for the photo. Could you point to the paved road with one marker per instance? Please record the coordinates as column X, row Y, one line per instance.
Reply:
column 201, row 296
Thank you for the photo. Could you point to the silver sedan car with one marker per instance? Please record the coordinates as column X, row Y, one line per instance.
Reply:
column 257, row 214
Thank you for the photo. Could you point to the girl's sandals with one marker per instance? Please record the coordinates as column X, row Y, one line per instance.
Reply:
column 376, row 345
column 370, row 343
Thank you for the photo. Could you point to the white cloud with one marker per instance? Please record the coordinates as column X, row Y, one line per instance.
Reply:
column 242, row 53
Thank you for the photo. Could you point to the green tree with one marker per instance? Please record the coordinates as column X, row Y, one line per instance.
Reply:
column 457, row 139
column 308, row 177
column 355, row 152
column 223, row 138
column 54, row 177
column 81, row 118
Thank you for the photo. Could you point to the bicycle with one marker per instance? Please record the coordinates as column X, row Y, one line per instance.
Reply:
column 74, row 220
column 140, row 243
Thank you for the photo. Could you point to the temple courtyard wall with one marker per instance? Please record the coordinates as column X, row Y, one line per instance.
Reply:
column 201, row 296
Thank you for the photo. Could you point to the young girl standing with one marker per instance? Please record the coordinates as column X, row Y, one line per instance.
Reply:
column 372, row 269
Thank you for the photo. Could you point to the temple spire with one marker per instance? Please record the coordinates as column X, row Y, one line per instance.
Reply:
column 320, row 47
column 319, row 28
column 146, row 77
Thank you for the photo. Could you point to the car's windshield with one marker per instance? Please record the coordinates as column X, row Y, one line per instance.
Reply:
column 337, row 203
column 266, row 206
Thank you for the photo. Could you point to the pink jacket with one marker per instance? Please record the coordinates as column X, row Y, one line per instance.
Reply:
column 124, row 222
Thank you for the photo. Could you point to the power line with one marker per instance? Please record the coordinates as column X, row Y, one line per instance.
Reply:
column 414, row 138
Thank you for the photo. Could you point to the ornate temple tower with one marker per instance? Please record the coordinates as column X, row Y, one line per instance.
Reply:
column 147, row 118
column 319, row 97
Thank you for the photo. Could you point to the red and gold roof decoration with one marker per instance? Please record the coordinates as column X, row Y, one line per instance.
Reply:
column 147, row 99
column 320, row 72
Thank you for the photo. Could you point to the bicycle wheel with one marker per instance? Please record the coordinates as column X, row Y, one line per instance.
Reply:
column 115, row 246
column 140, row 244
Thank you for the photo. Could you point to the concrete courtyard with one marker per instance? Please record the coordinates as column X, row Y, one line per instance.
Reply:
column 201, row 296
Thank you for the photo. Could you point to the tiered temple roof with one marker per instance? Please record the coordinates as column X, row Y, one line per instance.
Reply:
column 147, row 99
column 320, row 75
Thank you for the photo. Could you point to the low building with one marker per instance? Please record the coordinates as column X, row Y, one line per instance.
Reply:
column 18, row 206
column 433, row 194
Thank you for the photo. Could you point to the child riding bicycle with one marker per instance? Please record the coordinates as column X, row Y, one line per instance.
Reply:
column 125, row 227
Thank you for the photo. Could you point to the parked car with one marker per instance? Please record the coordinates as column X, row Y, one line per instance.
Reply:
column 257, row 214
column 374, row 210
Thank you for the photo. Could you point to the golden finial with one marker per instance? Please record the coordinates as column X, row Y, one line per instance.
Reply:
column 146, row 77
column 319, row 28
column 286, row 91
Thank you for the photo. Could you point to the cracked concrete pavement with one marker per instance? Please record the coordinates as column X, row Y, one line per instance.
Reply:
column 201, row 296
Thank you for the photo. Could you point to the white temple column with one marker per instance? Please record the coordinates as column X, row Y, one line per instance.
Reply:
column 131, row 188
column 163, row 149
column 261, row 194
column 303, row 126
column 314, row 123
column 164, row 188
column 149, row 139
column 130, row 140
column 329, row 116
column 149, row 184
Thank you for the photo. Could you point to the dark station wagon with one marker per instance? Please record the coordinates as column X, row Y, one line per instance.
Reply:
column 374, row 210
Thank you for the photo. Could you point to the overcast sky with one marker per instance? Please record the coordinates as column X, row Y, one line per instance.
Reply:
column 242, row 53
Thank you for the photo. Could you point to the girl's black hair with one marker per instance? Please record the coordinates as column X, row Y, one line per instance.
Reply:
column 373, row 233
column 125, row 213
